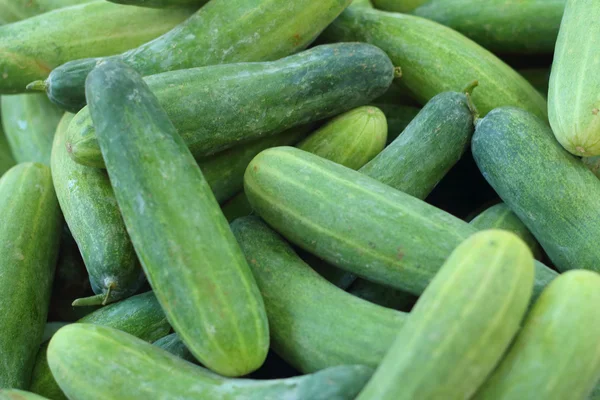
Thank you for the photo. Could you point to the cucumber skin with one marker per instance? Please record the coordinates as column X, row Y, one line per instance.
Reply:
column 174, row 345
column 162, row 3
column 243, row 36
column 217, row 107
column 29, row 122
column 209, row 277
column 501, row 26
column 7, row 160
column 14, row 394
column 436, row 59
column 513, row 148
column 562, row 329
column 573, row 103
column 87, row 200
column 398, row 117
column 461, row 325
column 17, row 10
column 77, row 358
column 314, row 324
column 29, row 241
column 401, row 6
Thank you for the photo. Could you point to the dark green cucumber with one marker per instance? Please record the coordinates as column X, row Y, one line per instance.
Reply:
column 162, row 3
column 216, row 107
column 514, row 149
column 208, row 292
column 91, row 211
column 17, row 10
column 14, row 394
column 6, row 158
column 29, row 122
column 436, row 59
column 92, row 362
column 398, row 117
column 221, row 32
column 29, row 240
column 314, row 325
column 461, row 325
column 174, row 345
column 140, row 316
column 556, row 354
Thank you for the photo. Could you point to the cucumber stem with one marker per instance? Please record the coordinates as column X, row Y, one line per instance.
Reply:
column 90, row 301
column 469, row 94
column 39, row 86
column 397, row 72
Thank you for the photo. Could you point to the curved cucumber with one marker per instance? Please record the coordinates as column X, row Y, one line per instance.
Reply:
column 398, row 117
column 208, row 292
column 91, row 211
column 17, row 10
column 461, row 325
column 221, row 32
column 314, row 325
column 29, row 122
column 6, row 158
column 512, row 149
column 14, row 394
column 93, row 362
column 556, row 354
column 174, row 345
column 29, row 240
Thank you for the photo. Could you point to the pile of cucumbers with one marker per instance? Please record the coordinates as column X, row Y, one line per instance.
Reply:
column 299, row 200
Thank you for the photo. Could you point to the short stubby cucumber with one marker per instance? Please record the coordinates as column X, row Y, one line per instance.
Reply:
column 174, row 345
column 515, row 152
column 221, row 32
column 461, row 325
column 29, row 241
column 90, row 209
column 402, row 6
column 7, row 159
column 29, row 122
column 314, row 324
column 398, row 117
column 93, row 362
column 162, row 3
column 436, row 59
column 216, row 107
column 31, row 48
column 17, row 10
column 15, row 394
column 556, row 354
column 208, row 292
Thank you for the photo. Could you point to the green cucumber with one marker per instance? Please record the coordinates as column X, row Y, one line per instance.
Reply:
column 398, row 117
column 17, row 10
column 6, row 158
column 31, row 48
column 461, row 325
column 162, row 3
column 29, row 122
column 89, row 206
column 216, row 107
column 556, row 354
column 174, row 345
column 514, row 149
column 501, row 26
column 314, row 325
column 93, row 362
column 538, row 77
column 436, row 59
column 29, row 241
column 14, row 394
column 402, row 6
column 221, row 32
column 140, row 316
column 573, row 102
column 208, row 292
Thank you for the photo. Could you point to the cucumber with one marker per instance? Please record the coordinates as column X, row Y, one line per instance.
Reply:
column 513, row 148
column 221, row 32
column 162, row 3
column 314, row 325
column 139, row 315
column 204, row 103
column 17, row 10
column 556, row 354
column 94, row 362
column 89, row 206
column 573, row 103
column 436, row 59
column 31, row 48
column 15, row 394
column 29, row 122
column 174, row 345
column 538, row 77
column 6, row 158
column 208, row 292
column 402, row 6
column 398, row 117
column 501, row 26
column 29, row 240
column 461, row 325
column 327, row 209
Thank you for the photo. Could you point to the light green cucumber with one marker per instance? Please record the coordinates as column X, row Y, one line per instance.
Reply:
column 461, row 325
column 398, row 117
column 94, row 362
column 29, row 241
column 15, row 394
column 174, row 345
column 402, row 6
column 7, row 159
column 17, row 10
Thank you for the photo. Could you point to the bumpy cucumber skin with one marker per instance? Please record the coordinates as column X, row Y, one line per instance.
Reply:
column 314, row 325
column 501, row 26
column 402, row 6
column 7, row 160
column 556, row 354
column 14, row 394
column 162, row 3
column 29, row 122
column 17, row 10
column 436, row 59
column 90, row 209
column 216, row 107
column 29, row 241
column 398, row 117
column 92, row 362
column 140, row 316
column 208, row 292
column 219, row 33
column 513, row 148
column 174, row 345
